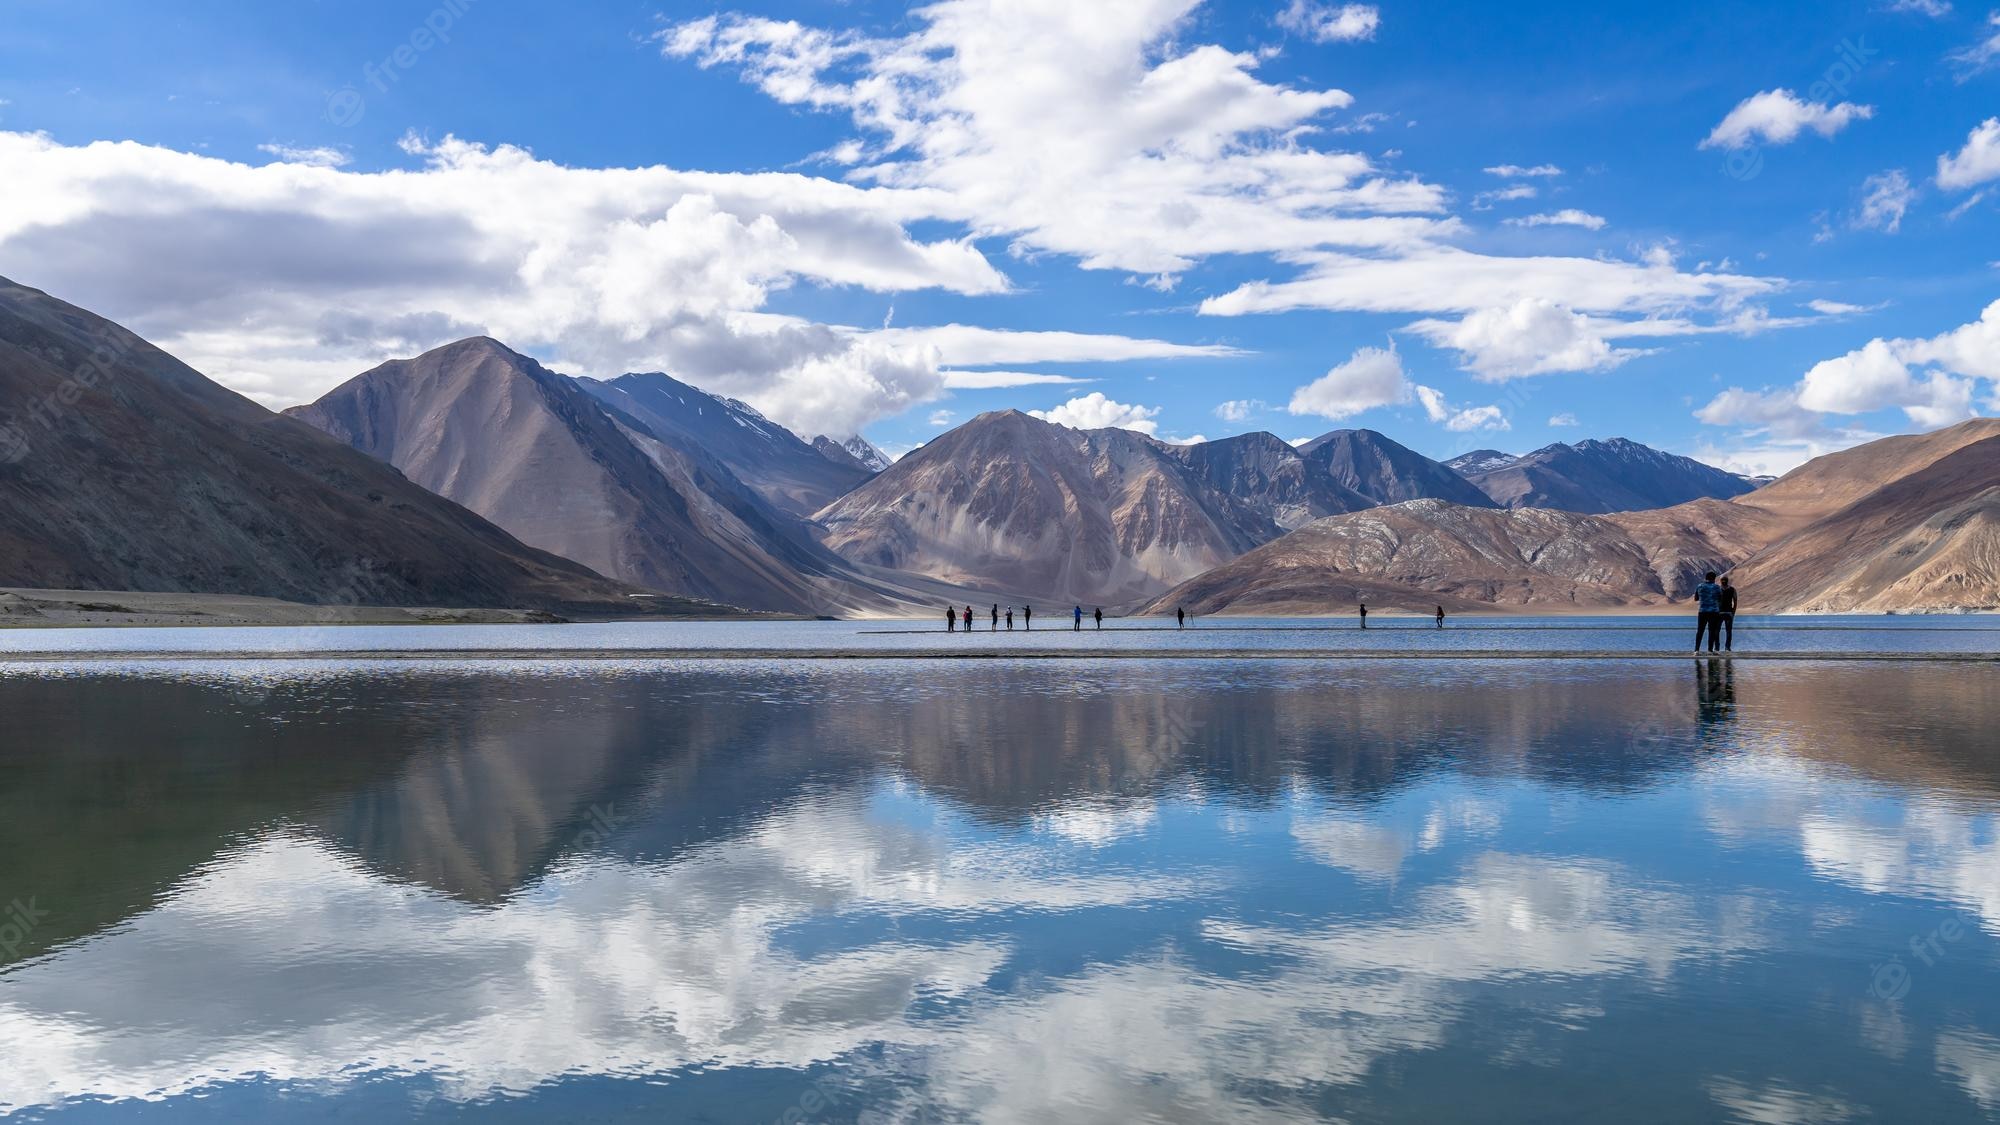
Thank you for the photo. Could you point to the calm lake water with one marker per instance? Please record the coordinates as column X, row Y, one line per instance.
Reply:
column 1099, row 891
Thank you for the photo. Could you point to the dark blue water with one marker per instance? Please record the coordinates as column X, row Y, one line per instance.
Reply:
column 1145, row 891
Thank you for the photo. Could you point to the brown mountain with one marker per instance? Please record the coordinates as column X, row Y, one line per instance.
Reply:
column 1013, row 503
column 1593, row 476
column 792, row 476
column 1387, row 472
column 542, row 457
column 122, row 468
column 1422, row 553
column 1925, row 538
column 1907, row 523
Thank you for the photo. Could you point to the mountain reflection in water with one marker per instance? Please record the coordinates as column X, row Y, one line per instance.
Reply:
column 1179, row 891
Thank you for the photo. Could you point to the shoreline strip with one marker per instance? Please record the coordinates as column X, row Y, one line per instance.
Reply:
column 600, row 655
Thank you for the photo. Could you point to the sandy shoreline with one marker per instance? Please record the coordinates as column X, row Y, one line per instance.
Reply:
column 604, row 655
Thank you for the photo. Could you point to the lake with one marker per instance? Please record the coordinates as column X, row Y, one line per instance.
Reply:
column 1074, row 890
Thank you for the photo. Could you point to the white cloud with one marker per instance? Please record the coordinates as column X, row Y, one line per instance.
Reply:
column 999, row 380
column 1088, row 130
column 1777, row 117
column 1982, row 55
column 1977, row 163
column 1486, row 199
column 1326, row 23
column 1447, row 279
column 1932, row 380
column 941, row 417
column 1564, row 419
column 1515, row 171
column 1457, row 419
column 1567, row 217
column 1837, row 308
column 1238, row 410
column 1372, row 377
column 1885, row 198
column 288, row 278
column 972, row 346
column 1096, row 412
column 1935, row 9
column 315, row 157
column 1532, row 336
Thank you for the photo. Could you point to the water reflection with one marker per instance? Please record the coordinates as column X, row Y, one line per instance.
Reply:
column 1138, row 892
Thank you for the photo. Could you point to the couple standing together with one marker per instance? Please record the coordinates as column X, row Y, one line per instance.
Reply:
column 1717, row 621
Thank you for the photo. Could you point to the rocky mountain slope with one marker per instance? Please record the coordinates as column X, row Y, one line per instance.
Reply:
column 542, row 457
column 1925, row 537
column 855, row 449
column 1421, row 553
column 1480, row 461
column 1903, row 524
column 1387, row 472
column 1604, row 476
column 791, row 475
column 122, row 468
column 1013, row 503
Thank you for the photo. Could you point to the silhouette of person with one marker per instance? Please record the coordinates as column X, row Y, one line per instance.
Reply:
column 1364, row 615
column 1440, row 617
column 1708, row 619
column 1100, row 617
column 950, row 620
column 1010, row 619
column 1728, row 616
column 1180, row 617
column 996, row 617
column 1077, row 627
column 968, row 619
column 1028, row 618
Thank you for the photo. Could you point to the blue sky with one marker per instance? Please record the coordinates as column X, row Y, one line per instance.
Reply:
column 1748, row 235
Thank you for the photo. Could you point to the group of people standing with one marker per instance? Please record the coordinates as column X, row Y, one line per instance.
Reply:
column 1715, row 623
column 956, row 619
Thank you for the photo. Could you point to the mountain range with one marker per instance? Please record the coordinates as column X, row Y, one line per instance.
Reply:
column 472, row 475
column 1901, row 524
column 122, row 468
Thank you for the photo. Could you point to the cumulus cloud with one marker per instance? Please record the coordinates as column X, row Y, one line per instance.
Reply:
column 1777, row 117
column 1564, row 419
column 1977, row 163
column 1108, row 134
column 1096, row 412
column 1088, row 130
column 1567, row 217
column 318, row 157
column 1327, row 23
column 1238, row 410
column 1486, row 199
column 1933, row 380
column 1532, row 336
column 1460, row 419
column 1935, row 9
column 1372, row 377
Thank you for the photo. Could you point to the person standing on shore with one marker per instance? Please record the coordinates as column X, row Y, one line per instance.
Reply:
column 996, row 617
column 1100, row 619
column 1708, row 619
column 950, row 620
column 1180, row 617
column 1440, row 617
column 1028, row 618
column 1728, row 615
column 1010, row 619
column 1364, row 615
column 1077, row 624
column 968, row 619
